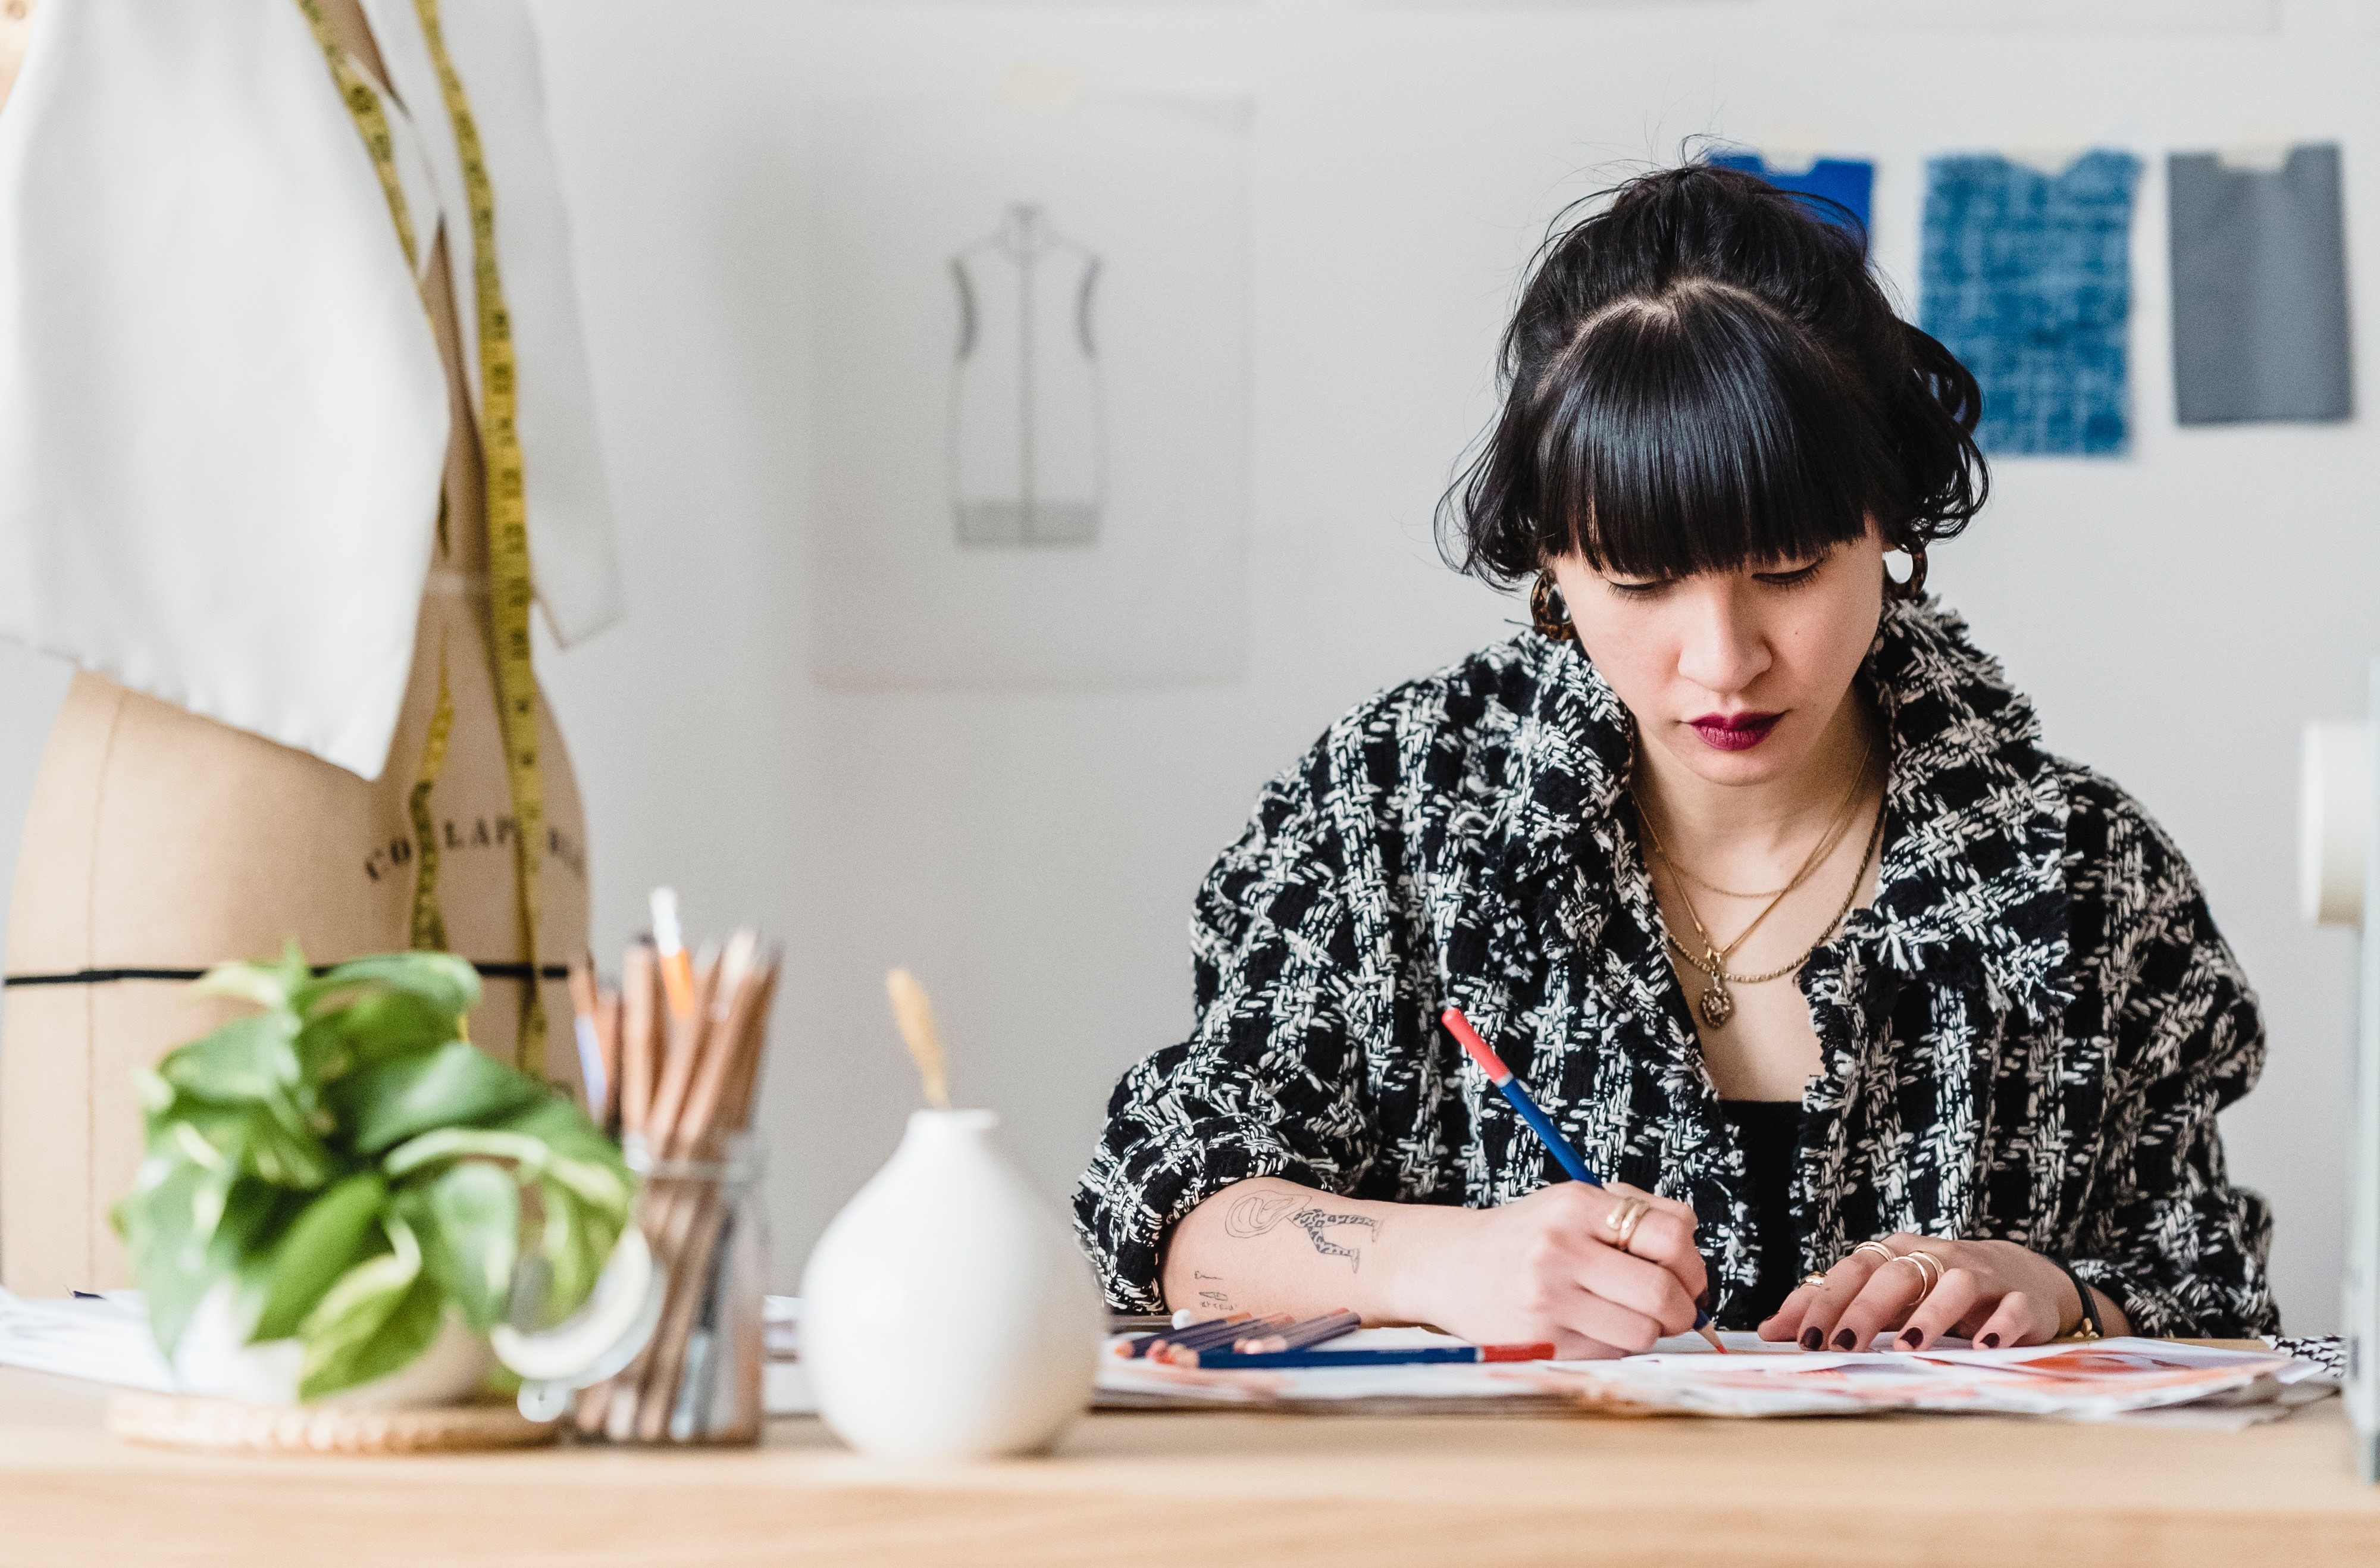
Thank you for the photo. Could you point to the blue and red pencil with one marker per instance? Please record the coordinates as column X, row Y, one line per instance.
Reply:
column 1571, row 1161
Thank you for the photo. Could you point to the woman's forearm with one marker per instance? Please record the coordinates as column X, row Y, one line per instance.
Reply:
column 1271, row 1246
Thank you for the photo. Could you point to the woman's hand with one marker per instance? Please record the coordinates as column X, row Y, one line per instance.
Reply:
column 1545, row 1268
column 1994, row 1292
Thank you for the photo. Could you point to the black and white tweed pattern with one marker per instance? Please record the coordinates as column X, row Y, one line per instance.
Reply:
column 2027, row 1037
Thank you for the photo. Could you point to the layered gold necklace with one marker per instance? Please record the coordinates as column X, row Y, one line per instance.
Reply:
column 1716, row 1005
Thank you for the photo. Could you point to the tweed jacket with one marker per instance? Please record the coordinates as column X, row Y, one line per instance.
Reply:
column 2026, row 1037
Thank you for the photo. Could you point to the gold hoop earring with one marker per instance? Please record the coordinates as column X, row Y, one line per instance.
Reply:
column 1913, row 585
column 1547, row 612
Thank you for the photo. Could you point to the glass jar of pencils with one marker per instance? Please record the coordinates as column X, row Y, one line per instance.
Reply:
column 697, row 1380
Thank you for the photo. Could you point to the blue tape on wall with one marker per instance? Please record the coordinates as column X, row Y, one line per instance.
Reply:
column 2027, row 278
column 1847, row 182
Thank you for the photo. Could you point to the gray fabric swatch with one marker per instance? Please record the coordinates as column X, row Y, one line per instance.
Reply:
column 2259, row 290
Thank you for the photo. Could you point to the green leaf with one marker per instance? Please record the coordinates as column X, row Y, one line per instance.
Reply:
column 177, row 1259
column 156, row 1220
column 267, row 984
column 378, row 1317
column 577, row 1154
column 389, row 1024
column 247, row 1060
column 603, row 1184
column 284, row 1150
column 329, row 1237
column 470, row 1236
column 576, row 1241
column 449, row 984
column 457, row 1083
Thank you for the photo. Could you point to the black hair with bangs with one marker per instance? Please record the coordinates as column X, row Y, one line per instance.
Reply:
column 1703, row 375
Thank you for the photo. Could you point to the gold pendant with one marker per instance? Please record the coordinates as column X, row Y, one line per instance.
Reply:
column 1717, row 1006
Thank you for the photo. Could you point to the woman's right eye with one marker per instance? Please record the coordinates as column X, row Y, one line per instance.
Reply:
column 1634, row 589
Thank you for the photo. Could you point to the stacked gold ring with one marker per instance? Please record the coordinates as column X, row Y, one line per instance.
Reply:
column 1929, row 1272
column 1624, row 1219
column 1884, row 1254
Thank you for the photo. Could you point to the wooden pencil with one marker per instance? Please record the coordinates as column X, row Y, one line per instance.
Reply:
column 692, row 1216
column 607, row 1040
column 688, row 1033
column 685, row 1085
column 639, row 1007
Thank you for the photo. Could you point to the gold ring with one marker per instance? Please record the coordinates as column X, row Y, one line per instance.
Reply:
column 1623, row 1220
column 1929, row 1272
column 1814, row 1279
column 1883, row 1253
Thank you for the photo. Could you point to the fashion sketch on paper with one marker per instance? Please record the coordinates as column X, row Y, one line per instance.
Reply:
column 1028, row 459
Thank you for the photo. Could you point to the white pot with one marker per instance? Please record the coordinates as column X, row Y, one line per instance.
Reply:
column 212, row 1357
column 947, row 1313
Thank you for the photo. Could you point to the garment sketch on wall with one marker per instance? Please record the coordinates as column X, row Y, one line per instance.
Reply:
column 1028, row 452
column 1029, row 342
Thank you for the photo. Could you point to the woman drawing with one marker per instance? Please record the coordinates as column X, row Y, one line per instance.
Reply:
column 1746, row 859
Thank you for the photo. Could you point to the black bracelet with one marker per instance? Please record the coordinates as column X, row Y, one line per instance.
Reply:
column 2098, row 1330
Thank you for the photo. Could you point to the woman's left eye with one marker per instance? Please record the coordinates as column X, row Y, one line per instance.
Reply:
column 1794, row 578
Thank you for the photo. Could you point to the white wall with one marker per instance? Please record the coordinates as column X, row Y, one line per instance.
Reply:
column 2178, row 615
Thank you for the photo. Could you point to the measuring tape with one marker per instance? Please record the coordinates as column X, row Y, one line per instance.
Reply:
column 510, row 587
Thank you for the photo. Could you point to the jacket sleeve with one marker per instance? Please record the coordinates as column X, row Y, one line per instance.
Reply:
column 2167, row 1234
column 1268, row 1083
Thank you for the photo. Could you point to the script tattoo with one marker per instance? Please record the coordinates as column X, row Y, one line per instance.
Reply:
column 1256, row 1213
column 1218, row 1299
column 1313, row 1221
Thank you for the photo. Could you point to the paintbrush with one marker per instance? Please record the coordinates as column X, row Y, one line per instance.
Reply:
column 915, row 1015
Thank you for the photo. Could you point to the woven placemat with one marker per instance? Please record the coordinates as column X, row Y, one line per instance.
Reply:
column 224, row 1425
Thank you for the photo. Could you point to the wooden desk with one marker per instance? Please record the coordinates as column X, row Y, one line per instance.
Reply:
column 1220, row 1490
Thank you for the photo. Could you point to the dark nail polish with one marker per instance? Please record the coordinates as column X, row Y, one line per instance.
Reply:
column 1991, row 1342
column 1812, row 1339
column 1846, row 1340
column 1912, row 1338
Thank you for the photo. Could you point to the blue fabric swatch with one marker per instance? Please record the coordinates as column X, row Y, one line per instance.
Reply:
column 2027, row 279
column 1843, row 180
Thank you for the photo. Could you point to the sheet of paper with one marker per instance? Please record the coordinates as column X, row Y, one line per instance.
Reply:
column 102, row 1338
column 2102, row 1381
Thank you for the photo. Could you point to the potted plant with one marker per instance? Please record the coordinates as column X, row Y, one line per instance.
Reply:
column 339, row 1188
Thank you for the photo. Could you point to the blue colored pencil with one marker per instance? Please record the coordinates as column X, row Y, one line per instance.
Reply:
column 1411, row 1356
column 1573, row 1164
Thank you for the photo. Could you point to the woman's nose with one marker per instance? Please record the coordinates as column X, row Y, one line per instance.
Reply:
column 1724, row 650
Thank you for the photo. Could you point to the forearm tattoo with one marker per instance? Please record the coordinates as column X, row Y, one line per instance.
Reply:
column 1260, row 1212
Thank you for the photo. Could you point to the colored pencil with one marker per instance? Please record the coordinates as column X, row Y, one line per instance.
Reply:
column 586, row 1001
column 1214, row 1330
column 1297, row 1336
column 1146, row 1342
column 1411, row 1356
column 1573, row 1164
column 1184, row 1353
column 669, row 940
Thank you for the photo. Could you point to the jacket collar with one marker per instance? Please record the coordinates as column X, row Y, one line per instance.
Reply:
column 1972, row 889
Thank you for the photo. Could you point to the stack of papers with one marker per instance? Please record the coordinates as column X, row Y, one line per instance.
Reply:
column 2099, row 1380
column 103, row 1338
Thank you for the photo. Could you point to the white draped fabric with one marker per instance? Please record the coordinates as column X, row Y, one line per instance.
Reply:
column 223, row 418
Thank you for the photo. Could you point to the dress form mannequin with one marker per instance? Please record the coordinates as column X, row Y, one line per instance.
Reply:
column 161, row 840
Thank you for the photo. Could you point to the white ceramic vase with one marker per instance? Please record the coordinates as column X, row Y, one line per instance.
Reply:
column 947, row 1313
